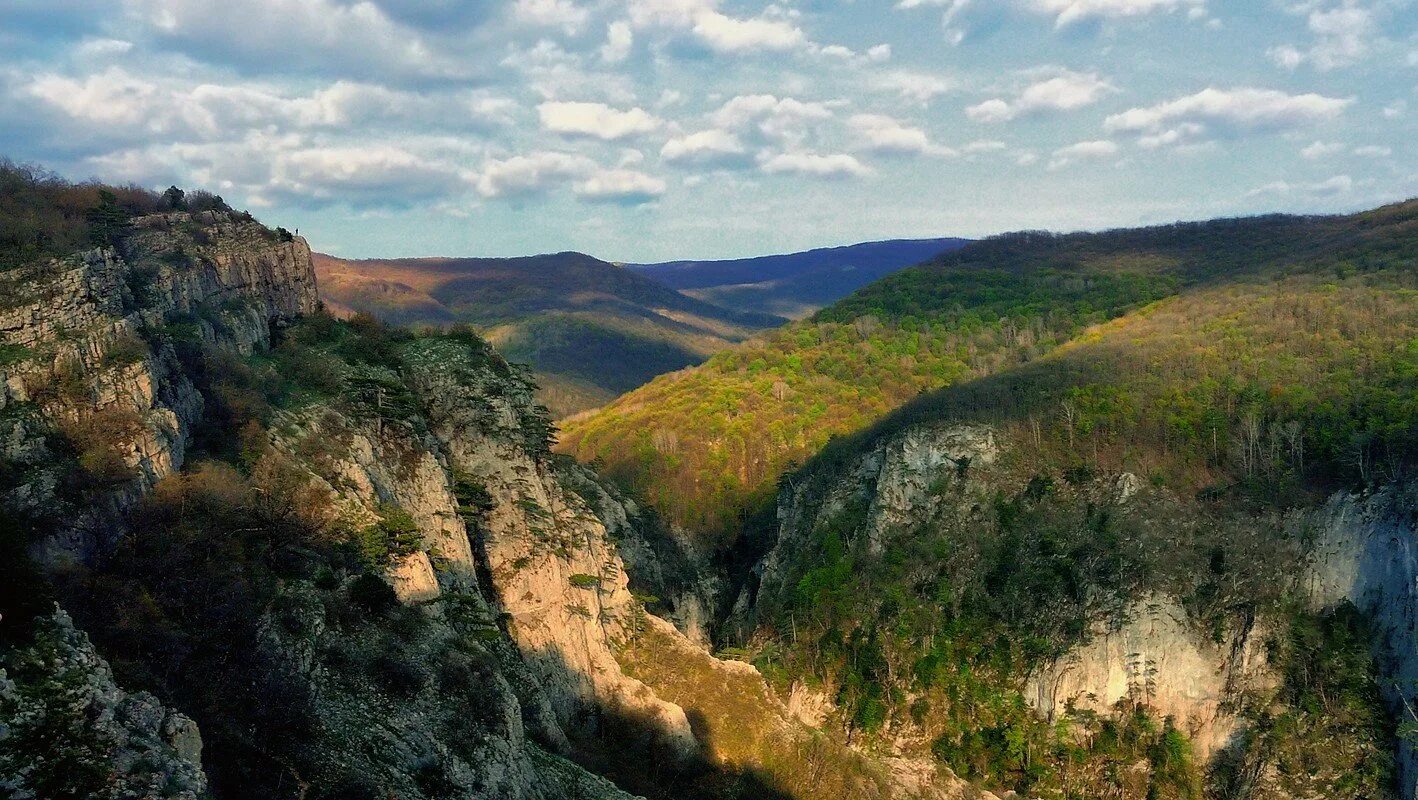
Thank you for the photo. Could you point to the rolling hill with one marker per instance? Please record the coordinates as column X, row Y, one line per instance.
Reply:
column 1161, row 560
column 795, row 284
column 707, row 446
column 589, row 329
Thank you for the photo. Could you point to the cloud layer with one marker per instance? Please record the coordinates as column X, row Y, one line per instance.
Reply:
column 564, row 119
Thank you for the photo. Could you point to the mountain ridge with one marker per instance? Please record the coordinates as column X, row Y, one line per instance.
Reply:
column 590, row 329
column 798, row 283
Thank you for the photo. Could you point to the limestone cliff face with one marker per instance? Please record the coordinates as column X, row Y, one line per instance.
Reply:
column 91, row 344
column 119, row 744
column 552, row 566
column 1365, row 550
column 893, row 482
column 1156, row 658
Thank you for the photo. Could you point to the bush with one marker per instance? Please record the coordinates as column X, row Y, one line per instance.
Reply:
column 99, row 443
column 399, row 674
column 372, row 593
column 395, row 536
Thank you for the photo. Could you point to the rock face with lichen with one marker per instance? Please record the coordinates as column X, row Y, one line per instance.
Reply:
column 92, row 341
column 111, row 743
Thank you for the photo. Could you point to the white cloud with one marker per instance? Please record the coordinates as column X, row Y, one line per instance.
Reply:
column 879, row 133
column 125, row 105
column 619, row 40
column 1339, row 184
column 711, row 146
column 1066, row 91
column 1083, row 151
column 835, row 165
column 551, row 13
column 342, row 174
column 531, row 174
column 1067, row 12
column 1373, row 151
column 918, row 87
column 777, row 119
column 285, row 168
column 113, row 98
column 1395, row 109
column 1343, row 36
column 954, row 33
column 1213, row 112
column 1317, row 150
column 874, row 54
column 624, row 186
column 352, row 40
column 733, row 35
column 595, row 119
column 718, row 31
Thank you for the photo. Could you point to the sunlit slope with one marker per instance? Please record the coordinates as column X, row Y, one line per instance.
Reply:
column 707, row 445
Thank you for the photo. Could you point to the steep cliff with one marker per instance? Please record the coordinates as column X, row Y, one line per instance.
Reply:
column 1363, row 552
column 65, row 724
column 117, row 368
column 89, row 346
column 1083, row 631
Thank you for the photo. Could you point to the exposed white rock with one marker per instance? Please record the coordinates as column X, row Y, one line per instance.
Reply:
column 1156, row 659
column 1365, row 550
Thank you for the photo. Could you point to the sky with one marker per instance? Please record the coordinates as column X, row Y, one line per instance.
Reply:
column 644, row 130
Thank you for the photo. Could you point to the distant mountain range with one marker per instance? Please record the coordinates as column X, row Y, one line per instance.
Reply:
column 589, row 329
column 795, row 285
column 593, row 330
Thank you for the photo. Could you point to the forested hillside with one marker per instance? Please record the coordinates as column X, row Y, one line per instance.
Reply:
column 707, row 445
column 1122, row 552
column 590, row 330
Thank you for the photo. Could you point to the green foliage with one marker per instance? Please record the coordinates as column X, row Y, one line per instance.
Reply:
column 393, row 537
column 706, row 447
column 584, row 581
column 11, row 354
column 373, row 594
column 174, row 199
column 1330, row 735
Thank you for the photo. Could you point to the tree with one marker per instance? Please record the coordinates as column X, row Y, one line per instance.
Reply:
column 106, row 220
column 175, row 198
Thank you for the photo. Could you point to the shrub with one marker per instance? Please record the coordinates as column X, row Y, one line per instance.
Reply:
column 584, row 581
column 398, row 673
column 99, row 442
column 125, row 349
column 372, row 593
column 393, row 537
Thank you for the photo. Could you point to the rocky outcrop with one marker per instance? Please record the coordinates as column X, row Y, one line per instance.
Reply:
column 117, row 744
column 1365, row 550
column 553, row 568
column 894, row 486
column 90, row 338
column 666, row 570
column 1157, row 659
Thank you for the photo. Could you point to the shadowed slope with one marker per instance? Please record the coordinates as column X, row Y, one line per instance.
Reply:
column 794, row 284
column 591, row 330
